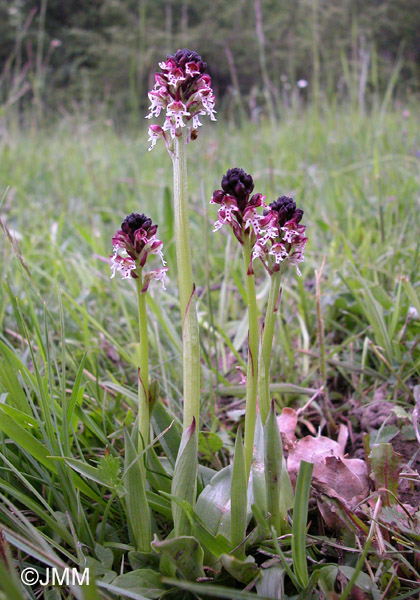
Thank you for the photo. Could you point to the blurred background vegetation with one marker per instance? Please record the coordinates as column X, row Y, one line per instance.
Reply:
column 99, row 56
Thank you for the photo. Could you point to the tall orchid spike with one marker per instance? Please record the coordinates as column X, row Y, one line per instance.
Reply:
column 183, row 91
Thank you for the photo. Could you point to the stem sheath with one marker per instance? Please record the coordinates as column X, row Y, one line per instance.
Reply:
column 190, row 339
column 267, row 345
column 252, row 368
column 143, row 374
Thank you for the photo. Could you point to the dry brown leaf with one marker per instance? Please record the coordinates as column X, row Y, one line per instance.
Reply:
column 343, row 436
column 336, row 476
column 287, row 422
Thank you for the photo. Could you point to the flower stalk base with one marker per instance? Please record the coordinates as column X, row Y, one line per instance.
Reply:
column 143, row 372
column 267, row 345
column 190, row 339
column 252, row 368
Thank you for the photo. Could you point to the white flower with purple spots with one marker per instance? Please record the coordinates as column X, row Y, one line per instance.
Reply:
column 281, row 235
column 133, row 244
column 183, row 92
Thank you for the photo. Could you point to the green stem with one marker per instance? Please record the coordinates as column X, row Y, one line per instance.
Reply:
column 143, row 375
column 190, row 339
column 252, row 369
column 266, row 347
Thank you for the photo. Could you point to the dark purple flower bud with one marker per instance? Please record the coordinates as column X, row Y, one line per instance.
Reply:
column 286, row 209
column 134, row 222
column 237, row 209
column 182, row 57
column 238, row 183
column 280, row 235
column 218, row 197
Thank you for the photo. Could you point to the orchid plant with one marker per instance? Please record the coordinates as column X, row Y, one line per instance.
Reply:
column 275, row 237
column 133, row 245
column 271, row 234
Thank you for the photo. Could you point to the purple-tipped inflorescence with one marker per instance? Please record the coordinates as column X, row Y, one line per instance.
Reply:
column 133, row 243
column 275, row 236
column 280, row 235
column 183, row 92
column 237, row 209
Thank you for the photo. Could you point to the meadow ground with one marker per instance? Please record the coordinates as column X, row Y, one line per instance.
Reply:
column 65, row 192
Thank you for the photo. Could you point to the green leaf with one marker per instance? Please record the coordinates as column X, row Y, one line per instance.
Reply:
column 239, row 500
column 300, row 517
column 363, row 581
column 109, row 470
column 20, row 417
column 394, row 518
column 105, row 556
column 259, row 495
column 119, row 591
column 90, row 592
column 213, row 504
column 184, row 483
column 244, row 571
column 213, row 545
column 279, row 490
column 411, row 293
column 142, row 581
column 143, row 560
column 271, row 583
column 208, row 444
column 154, row 391
column 9, row 368
column 326, row 578
column 186, row 554
column 386, row 466
column 261, row 519
column 373, row 312
column 157, row 476
column 89, row 471
column 34, row 448
column 163, row 421
column 134, row 480
column 9, row 579
column 382, row 297
column 215, row 591
column 159, row 504
column 384, row 435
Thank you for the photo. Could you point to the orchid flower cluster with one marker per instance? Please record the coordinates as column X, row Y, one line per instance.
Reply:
column 276, row 235
column 133, row 244
column 183, row 90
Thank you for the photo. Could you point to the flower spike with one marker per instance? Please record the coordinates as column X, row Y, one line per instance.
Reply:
column 133, row 244
column 183, row 91
column 281, row 235
column 237, row 209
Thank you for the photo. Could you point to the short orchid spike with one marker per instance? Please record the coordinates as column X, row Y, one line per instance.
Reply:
column 281, row 237
column 183, row 92
column 133, row 244
column 238, row 208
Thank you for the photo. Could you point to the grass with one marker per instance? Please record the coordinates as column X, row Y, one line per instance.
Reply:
column 68, row 333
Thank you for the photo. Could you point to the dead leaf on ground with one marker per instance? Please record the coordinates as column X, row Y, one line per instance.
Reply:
column 287, row 422
column 336, row 476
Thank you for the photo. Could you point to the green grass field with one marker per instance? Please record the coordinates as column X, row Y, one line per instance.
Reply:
column 68, row 350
